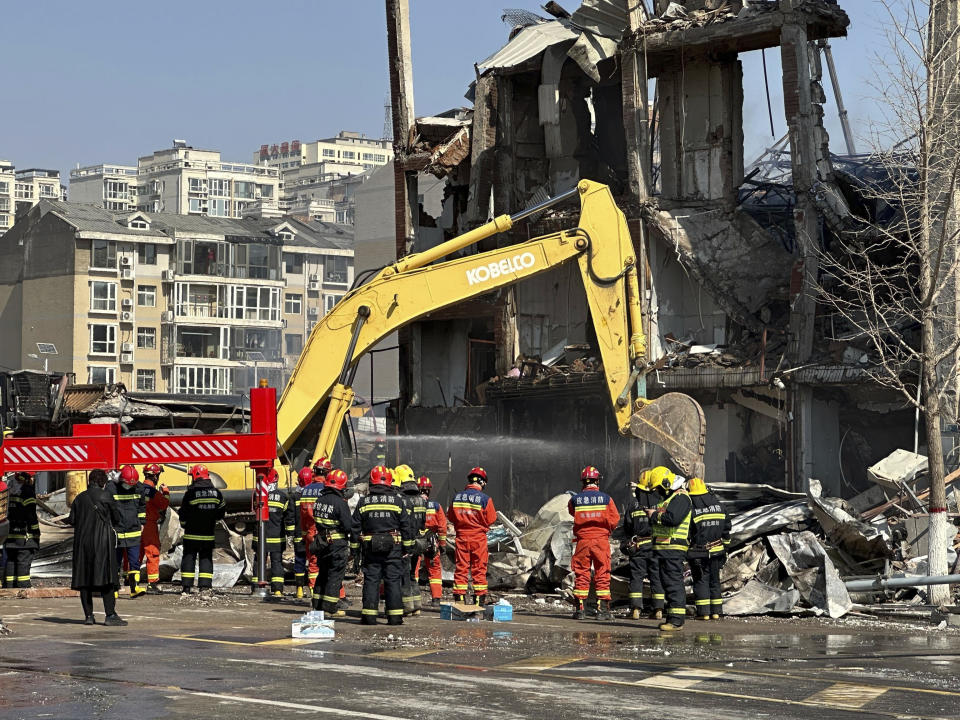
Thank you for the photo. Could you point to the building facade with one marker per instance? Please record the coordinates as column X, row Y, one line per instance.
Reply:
column 8, row 179
column 33, row 185
column 164, row 302
column 348, row 153
column 180, row 180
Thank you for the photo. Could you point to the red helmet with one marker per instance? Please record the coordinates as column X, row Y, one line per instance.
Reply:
column 424, row 484
column 199, row 471
column 305, row 477
column 590, row 474
column 381, row 475
column 337, row 479
column 322, row 466
column 129, row 475
column 270, row 476
column 153, row 469
column 477, row 473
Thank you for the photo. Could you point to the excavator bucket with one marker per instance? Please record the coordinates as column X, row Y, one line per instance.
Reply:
column 676, row 423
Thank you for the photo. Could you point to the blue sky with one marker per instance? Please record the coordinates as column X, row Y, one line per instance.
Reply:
column 108, row 81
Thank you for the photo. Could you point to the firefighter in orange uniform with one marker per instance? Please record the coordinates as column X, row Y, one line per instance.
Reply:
column 308, row 529
column 157, row 496
column 472, row 513
column 436, row 531
column 595, row 517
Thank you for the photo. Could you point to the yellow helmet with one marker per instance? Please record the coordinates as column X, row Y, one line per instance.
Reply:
column 643, row 482
column 402, row 474
column 660, row 478
column 697, row 486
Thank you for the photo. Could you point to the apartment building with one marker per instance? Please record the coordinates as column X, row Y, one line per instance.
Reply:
column 33, row 185
column 181, row 180
column 8, row 179
column 165, row 302
column 348, row 153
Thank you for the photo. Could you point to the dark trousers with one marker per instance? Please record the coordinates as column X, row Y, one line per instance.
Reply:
column 106, row 594
column 410, row 587
column 192, row 551
column 706, row 584
column 331, row 567
column 671, row 576
column 132, row 554
column 274, row 567
column 645, row 567
column 300, row 563
column 19, row 561
column 389, row 568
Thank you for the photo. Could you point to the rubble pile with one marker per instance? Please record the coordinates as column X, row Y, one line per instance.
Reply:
column 790, row 553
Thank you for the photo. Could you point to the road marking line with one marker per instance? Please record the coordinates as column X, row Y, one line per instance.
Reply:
column 290, row 641
column 206, row 640
column 402, row 653
column 679, row 679
column 296, row 706
column 539, row 662
column 846, row 695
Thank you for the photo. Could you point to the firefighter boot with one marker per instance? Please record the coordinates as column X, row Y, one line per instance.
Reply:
column 657, row 614
column 635, row 613
column 603, row 610
column 669, row 627
column 135, row 589
column 578, row 614
column 154, row 589
column 299, row 592
column 459, row 598
column 394, row 620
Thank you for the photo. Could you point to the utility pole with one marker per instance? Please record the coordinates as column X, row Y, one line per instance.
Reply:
column 404, row 183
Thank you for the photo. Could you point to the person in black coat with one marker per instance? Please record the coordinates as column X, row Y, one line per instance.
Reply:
column 92, row 515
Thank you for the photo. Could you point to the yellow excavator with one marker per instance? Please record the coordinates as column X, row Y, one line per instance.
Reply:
column 418, row 284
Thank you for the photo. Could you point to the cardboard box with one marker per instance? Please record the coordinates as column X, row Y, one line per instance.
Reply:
column 460, row 611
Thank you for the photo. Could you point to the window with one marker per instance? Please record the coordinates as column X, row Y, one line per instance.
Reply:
column 4, row 204
column 294, row 344
column 329, row 301
column 103, row 297
column 100, row 375
column 243, row 189
column 139, row 224
column 335, row 269
column 368, row 156
column 327, row 152
column 116, row 190
column 4, row 221
column 147, row 254
column 219, row 207
column 4, row 188
column 381, row 158
column 266, row 191
column 197, row 205
column 241, row 208
column 147, row 380
column 349, row 154
column 49, row 191
column 103, row 339
column 293, row 303
column 146, row 338
column 292, row 261
column 103, row 254
column 253, row 303
column 198, row 185
column 147, row 295
column 220, row 188
column 202, row 380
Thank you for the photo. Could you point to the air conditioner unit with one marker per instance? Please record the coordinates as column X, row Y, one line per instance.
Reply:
column 283, row 322
column 126, row 260
column 167, row 316
column 314, row 285
column 126, row 303
column 126, row 358
column 168, row 275
column 126, row 317
column 126, row 347
column 312, row 312
column 313, row 277
column 126, row 273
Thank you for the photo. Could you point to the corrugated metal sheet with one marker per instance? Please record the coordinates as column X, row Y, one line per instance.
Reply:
column 603, row 17
column 530, row 42
column 81, row 398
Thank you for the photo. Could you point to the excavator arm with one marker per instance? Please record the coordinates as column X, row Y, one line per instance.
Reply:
column 417, row 285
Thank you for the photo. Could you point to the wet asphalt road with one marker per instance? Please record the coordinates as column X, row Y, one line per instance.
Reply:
column 232, row 657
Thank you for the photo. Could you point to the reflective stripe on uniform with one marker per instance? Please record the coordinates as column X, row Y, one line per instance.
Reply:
column 200, row 538
column 380, row 506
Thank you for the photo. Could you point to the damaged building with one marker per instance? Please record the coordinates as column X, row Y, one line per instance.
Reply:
column 649, row 101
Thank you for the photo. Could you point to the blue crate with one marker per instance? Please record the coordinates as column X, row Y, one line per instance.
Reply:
column 499, row 613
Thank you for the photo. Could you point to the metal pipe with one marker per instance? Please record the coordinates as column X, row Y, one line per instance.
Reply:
column 835, row 81
column 882, row 583
column 497, row 225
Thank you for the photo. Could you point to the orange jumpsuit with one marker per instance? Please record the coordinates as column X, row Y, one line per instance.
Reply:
column 157, row 502
column 595, row 516
column 437, row 522
column 308, row 527
column 471, row 513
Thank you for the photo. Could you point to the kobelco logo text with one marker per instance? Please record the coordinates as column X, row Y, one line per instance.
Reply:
column 504, row 267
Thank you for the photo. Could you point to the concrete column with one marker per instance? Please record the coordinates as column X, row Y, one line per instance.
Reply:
column 636, row 113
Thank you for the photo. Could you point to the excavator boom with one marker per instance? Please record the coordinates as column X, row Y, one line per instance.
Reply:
column 417, row 285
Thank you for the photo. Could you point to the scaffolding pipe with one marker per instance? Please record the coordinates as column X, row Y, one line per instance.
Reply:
column 882, row 583
column 835, row 81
